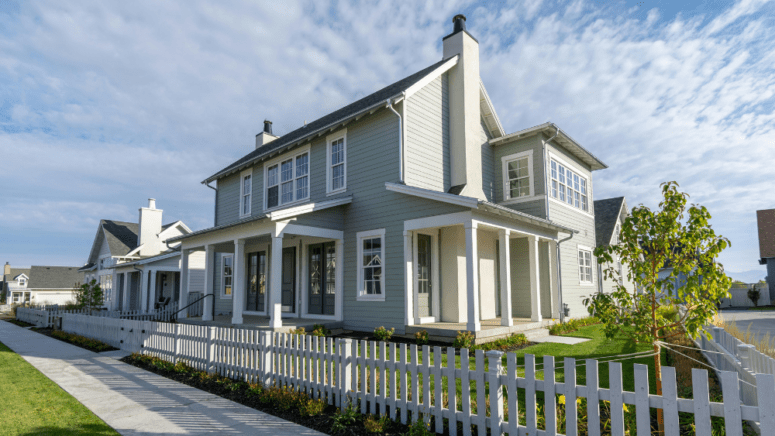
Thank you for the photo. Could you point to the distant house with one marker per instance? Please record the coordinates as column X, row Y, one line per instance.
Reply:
column 135, row 266
column 40, row 284
column 765, row 220
column 610, row 214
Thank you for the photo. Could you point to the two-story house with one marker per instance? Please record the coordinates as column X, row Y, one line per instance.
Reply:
column 134, row 264
column 409, row 208
column 14, row 284
column 40, row 285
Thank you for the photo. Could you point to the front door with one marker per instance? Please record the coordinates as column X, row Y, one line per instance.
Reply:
column 322, row 278
column 289, row 279
column 256, row 281
column 424, row 285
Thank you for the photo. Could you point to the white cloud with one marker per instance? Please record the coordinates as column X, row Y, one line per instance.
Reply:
column 112, row 103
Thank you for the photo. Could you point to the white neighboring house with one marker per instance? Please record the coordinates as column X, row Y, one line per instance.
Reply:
column 610, row 214
column 40, row 284
column 134, row 265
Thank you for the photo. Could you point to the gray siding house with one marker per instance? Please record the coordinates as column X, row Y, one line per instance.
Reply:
column 610, row 214
column 410, row 208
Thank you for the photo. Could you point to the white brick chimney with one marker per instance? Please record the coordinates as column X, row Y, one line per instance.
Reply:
column 150, row 227
column 266, row 136
column 464, row 112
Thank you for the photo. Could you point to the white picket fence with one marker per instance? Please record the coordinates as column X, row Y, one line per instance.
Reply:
column 45, row 317
column 406, row 382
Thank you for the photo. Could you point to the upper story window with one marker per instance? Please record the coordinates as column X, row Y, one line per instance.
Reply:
column 287, row 181
column 246, row 189
column 336, row 162
column 569, row 187
column 22, row 281
column 518, row 175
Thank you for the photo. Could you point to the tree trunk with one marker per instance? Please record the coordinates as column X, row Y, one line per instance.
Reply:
column 658, row 374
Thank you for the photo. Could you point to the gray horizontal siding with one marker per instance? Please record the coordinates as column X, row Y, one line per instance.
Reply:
column 227, row 209
column 533, row 143
column 427, row 137
column 488, row 172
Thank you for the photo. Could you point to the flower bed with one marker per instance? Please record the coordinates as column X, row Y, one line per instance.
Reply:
column 572, row 325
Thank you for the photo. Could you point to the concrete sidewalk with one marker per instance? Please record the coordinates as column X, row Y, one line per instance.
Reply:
column 134, row 401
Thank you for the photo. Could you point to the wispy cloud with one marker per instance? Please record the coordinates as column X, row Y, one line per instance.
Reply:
column 106, row 104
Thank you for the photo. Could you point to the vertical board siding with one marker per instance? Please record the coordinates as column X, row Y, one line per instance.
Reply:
column 427, row 137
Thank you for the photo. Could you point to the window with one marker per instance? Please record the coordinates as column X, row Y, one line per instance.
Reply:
column 615, row 237
column 287, row 181
column 569, row 187
column 517, row 175
column 246, row 189
column 585, row 265
column 22, row 281
column 371, row 255
column 336, row 162
column 227, row 275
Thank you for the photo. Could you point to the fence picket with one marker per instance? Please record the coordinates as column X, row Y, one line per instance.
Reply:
column 701, row 401
column 765, row 384
column 530, row 394
column 465, row 391
column 481, row 404
column 593, row 398
column 364, row 376
column 382, row 378
column 496, row 393
column 403, row 368
column 571, row 413
column 438, row 402
column 617, row 402
column 670, row 401
column 392, row 377
column 415, row 382
column 730, row 389
column 451, row 391
column 511, row 390
column 426, row 384
column 550, row 400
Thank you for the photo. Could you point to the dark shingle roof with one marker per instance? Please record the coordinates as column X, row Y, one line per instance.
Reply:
column 54, row 277
column 121, row 236
column 340, row 114
column 16, row 272
column 606, row 215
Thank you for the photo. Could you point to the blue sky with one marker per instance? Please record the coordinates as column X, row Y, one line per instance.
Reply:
column 105, row 104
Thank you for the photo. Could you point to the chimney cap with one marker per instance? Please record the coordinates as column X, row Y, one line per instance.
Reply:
column 151, row 203
column 267, row 127
column 460, row 23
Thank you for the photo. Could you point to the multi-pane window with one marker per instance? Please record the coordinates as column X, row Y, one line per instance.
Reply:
column 585, row 266
column 371, row 255
column 287, row 181
column 519, row 177
column 228, row 275
column 337, row 161
column 568, row 186
column 246, row 189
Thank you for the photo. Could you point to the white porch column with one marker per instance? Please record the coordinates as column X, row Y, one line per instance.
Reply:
column 207, row 311
column 183, row 302
column 472, row 277
column 339, row 278
column 535, row 282
column 238, row 280
column 152, row 297
column 505, row 277
column 144, row 290
column 408, row 277
column 276, row 282
column 125, row 297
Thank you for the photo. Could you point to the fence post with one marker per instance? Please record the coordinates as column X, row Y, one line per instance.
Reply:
column 744, row 351
column 176, row 344
column 345, row 374
column 210, row 367
column 496, row 392
column 266, row 358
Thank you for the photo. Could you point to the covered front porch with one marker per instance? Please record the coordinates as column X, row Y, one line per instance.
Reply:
column 258, row 322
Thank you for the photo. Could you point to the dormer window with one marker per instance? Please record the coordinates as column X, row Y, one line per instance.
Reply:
column 22, row 281
column 246, row 189
column 287, row 180
column 518, row 175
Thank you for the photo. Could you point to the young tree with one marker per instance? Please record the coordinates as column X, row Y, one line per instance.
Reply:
column 754, row 294
column 88, row 295
column 648, row 242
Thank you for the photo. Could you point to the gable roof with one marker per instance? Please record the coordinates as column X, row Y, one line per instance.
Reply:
column 54, row 277
column 16, row 272
column 372, row 101
column 607, row 213
column 120, row 235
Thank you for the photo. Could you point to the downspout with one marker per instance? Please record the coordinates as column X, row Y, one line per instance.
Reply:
column 389, row 105
column 215, row 207
column 559, row 275
column 547, row 174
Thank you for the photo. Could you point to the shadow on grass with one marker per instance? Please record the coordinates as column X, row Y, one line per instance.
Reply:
column 86, row 429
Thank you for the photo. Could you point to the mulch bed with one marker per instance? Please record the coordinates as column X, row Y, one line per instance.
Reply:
column 237, row 392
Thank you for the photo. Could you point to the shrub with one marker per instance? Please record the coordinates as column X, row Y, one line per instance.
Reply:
column 419, row 428
column 91, row 344
column 464, row 339
column 284, row 398
column 571, row 325
column 310, row 407
column 422, row 337
column 375, row 424
column 383, row 334
column 298, row 331
column 183, row 368
column 253, row 389
column 754, row 294
column 320, row 330
column 508, row 343
column 343, row 420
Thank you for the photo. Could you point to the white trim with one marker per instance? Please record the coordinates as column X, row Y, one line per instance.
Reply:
column 564, row 204
column 522, row 200
column 447, row 220
column 504, row 168
column 318, row 232
column 340, row 134
column 307, row 208
column 359, row 237
column 435, row 264
column 223, row 295
column 580, row 248
column 430, row 77
column 433, row 195
column 244, row 174
column 277, row 161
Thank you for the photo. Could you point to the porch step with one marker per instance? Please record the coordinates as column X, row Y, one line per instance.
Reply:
column 536, row 333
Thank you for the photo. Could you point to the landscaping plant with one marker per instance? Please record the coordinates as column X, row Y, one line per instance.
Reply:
column 375, row 424
column 464, row 339
column 320, row 331
column 344, row 419
column 88, row 295
column 383, row 334
column 422, row 337
column 754, row 294
column 650, row 241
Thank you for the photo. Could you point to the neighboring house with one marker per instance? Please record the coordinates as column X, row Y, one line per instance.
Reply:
column 409, row 208
column 134, row 265
column 765, row 220
column 41, row 284
column 610, row 214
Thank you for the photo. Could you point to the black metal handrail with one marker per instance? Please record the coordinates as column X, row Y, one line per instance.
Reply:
column 175, row 314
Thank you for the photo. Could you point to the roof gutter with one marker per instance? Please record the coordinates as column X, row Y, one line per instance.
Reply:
column 389, row 105
column 215, row 208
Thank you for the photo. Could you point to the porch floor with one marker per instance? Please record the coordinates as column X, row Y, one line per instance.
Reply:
column 491, row 328
column 257, row 322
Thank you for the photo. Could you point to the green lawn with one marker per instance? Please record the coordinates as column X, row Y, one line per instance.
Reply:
column 32, row 404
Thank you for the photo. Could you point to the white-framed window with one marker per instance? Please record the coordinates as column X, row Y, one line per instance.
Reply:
column 569, row 187
column 227, row 275
column 371, row 265
column 246, row 190
column 585, row 265
column 615, row 237
column 336, row 162
column 286, row 180
column 518, row 175
column 22, row 281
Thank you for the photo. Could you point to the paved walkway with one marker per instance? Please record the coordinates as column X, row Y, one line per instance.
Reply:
column 567, row 340
column 134, row 401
